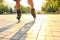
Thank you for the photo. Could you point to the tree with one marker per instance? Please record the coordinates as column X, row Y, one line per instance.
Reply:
column 25, row 9
column 1, row 1
column 3, row 8
column 11, row 11
column 6, row 9
column 51, row 5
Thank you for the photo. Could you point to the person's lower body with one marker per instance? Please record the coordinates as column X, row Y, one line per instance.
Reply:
column 33, row 13
column 18, row 15
column 30, row 2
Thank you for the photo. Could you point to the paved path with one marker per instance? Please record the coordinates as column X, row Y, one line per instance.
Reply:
column 50, row 29
column 45, row 27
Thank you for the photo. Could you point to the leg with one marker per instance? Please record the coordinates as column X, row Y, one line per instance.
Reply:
column 18, row 10
column 18, row 15
column 30, row 2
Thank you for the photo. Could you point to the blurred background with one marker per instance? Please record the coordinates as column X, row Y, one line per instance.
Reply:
column 41, row 6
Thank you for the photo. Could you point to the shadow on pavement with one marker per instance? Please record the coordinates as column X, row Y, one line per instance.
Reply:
column 7, row 27
column 19, row 35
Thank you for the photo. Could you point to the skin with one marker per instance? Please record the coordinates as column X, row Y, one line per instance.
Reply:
column 18, row 4
column 30, row 2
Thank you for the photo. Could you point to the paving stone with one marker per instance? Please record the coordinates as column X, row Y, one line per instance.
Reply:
column 41, row 38
column 57, row 38
column 9, row 35
column 4, row 39
column 22, row 38
column 49, row 38
column 2, row 35
column 7, row 27
column 16, row 37
column 2, row 30
column 26, row 38
column 56, row 34
column 29, row 35
column 46, row 33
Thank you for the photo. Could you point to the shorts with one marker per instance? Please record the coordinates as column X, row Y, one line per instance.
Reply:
column 16, row 0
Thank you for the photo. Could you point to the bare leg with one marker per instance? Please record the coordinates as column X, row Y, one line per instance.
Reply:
column 18, row 10
column 30, row 2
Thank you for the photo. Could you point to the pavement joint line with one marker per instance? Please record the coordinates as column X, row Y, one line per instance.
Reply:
column 23, row 30
column 53, row 35
column 39, row 29
column 8, row 27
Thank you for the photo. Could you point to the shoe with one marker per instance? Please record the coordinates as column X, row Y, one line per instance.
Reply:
column 18, row 15
column 33, row 13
